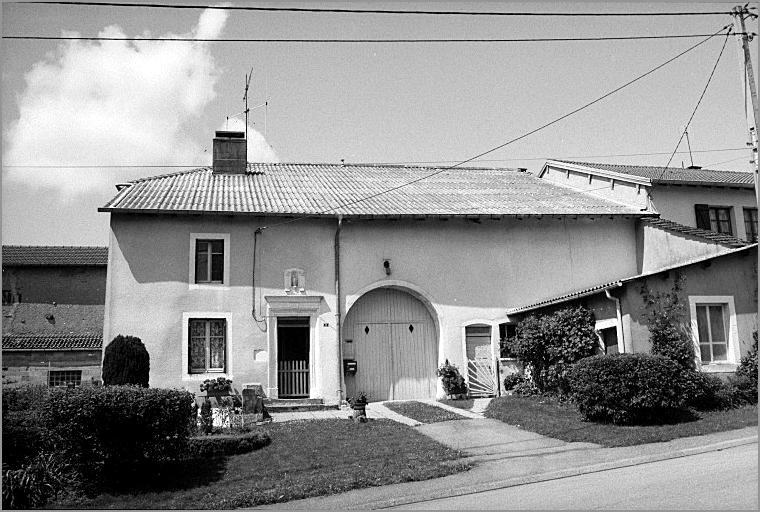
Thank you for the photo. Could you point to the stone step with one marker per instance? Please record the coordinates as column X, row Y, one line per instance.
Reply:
column 296, row 404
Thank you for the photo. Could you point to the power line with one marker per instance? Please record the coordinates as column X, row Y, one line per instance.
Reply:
column 376, row 11
column 355, row 41
column 409, row 162
column 715, row 66
column 495, row 148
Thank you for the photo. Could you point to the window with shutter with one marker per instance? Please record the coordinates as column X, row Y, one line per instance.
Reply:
column 702, row 212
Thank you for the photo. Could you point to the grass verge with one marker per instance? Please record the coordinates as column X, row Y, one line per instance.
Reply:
column 466, row 404
column 549, row 417
column 424, row 413
column 304, row 459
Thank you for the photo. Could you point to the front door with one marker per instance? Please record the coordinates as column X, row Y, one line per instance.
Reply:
column 293, row 357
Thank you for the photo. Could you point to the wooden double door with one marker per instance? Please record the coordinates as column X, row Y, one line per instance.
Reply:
column 392, row 337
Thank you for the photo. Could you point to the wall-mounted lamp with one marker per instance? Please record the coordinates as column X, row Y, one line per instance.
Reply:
column 387, row 267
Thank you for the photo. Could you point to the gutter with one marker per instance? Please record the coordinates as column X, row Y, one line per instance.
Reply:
column 338, row 309
column 619, row 314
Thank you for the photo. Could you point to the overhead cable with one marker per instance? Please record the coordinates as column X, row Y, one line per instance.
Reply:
column 355, row 41
column 375, row 11
column 715, row 66
column 515, row 139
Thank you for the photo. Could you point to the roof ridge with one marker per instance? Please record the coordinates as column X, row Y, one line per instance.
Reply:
column 647, row 166
column 55, row 246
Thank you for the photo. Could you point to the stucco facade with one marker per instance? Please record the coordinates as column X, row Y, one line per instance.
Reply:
column 728, row 280
column 462, row 271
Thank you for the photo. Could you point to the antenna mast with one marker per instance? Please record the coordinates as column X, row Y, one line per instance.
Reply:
column 245, row 97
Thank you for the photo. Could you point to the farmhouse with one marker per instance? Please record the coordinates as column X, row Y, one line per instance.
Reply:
column 321, row 280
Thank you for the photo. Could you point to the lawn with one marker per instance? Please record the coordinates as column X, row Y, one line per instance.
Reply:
column 424, row 413
column 466, row 404
column 551, row 418
column 304, row 459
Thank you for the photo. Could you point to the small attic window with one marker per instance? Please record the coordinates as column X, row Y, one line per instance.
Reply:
column 295, row 281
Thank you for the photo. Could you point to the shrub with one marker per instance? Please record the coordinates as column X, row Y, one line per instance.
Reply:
column 748, row 364
column 24, row 398
column 707, row 392
column 452, row 380
column 221, row 445
column 98, row 426
column 548, row 344
column 24, row 437
column 207, row 420
column 512, row 380
column 628, row 388
column 665, row 318
column 744, row 389
column 126, row 361
column 35, row 483
column 218, row 385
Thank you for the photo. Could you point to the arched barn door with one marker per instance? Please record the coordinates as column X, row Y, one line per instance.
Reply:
column 392, row 337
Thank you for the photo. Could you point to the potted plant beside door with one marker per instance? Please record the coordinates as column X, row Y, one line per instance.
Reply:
column 359, row 405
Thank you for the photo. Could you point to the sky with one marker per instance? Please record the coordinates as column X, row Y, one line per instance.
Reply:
column 154, row 106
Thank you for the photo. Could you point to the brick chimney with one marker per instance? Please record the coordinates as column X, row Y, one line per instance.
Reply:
column 230, row 153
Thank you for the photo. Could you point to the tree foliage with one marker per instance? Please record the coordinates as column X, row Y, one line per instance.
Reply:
column 126, row 361
column 665, row 318
column 548, row 344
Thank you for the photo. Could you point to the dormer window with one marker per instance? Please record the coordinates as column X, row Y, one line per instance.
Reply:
column 295, row 281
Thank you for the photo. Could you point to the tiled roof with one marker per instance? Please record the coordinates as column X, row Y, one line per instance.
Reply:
column 50, row 320
column 358, row 189
column 704, row 234
column 52, row 342
column 676, row 175
column 615, row 284
column 39, row 255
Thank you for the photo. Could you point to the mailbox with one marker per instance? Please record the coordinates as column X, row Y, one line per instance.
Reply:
column 349, row 366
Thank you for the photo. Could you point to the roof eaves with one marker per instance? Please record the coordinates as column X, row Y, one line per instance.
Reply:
column 630, row 178
column 721, row 184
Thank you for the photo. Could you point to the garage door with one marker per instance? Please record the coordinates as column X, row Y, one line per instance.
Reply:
column 392, row 337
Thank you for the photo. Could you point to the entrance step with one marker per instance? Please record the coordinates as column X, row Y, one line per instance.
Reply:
column 275, row 405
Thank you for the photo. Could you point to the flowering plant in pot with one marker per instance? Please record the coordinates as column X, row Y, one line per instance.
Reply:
column 359, row 405
column 217, row 386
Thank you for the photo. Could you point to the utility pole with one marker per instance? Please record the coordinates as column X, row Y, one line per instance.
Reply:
column 741, row 13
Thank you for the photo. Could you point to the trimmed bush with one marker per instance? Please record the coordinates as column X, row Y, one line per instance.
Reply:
column 628, row 388
column 24, row 398
column 452, row 381
column 126, row 361
column 221, row 445
column 115, row 425
column 548, row 344
column 23, row 438
column 707, row 392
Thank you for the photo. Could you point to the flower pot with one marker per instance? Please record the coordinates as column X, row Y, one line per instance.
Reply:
column 360, row 412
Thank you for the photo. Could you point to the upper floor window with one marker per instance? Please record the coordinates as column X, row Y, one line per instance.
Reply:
column 209, row 261
column 209, row 258
column 750, row 224
column 714, row 218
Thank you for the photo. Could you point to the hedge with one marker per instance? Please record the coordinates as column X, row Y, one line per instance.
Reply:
column 114, row 424
column 225, row 444
column 628, row 388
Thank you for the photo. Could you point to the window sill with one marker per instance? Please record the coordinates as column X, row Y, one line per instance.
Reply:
column 725, row 367
column 208, row 286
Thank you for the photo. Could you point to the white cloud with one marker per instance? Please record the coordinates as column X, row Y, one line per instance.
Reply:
column 259, row 149
column 114, row 103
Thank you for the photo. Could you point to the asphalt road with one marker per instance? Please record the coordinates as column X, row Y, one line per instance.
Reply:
column 718, row 480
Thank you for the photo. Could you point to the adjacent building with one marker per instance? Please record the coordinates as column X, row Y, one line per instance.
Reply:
column 53, row 300
column 721, row 201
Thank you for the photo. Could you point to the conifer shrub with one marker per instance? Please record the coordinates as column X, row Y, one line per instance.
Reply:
column 628, row 388
column 126, row 361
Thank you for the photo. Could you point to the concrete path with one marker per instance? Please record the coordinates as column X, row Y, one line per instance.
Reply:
column 374, row 410
column 523, row 469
